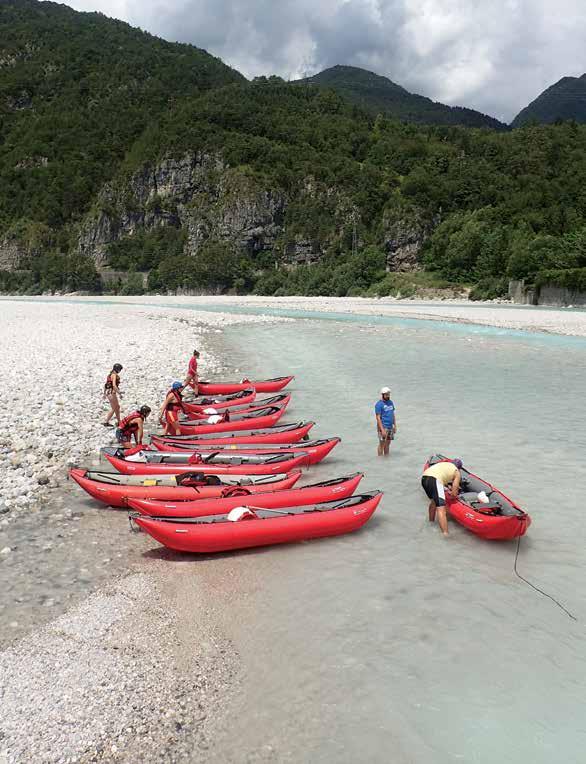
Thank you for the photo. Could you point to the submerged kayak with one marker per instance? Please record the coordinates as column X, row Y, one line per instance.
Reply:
column 261, row 386
column 160, row 463
column 281, row 400
column 315, row 449
column 498, row 519
column 217, row 533
column 115, row 490
column 326, row 490
column 261, row 418
column 280, row 433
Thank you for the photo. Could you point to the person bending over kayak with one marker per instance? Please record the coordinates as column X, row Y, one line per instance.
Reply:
column 434, row 481
column 386, row 421
column 132, row 426
column 171, row 407
column 112, row 394
column 192, row 378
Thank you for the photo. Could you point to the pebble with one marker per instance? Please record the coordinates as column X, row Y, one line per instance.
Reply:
column 59, row 426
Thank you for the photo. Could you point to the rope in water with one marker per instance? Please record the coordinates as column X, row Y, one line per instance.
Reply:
column 537, row 589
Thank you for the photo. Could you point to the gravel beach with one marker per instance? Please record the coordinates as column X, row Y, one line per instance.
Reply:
column 566, row 321
column 111, row 652
column 102, row 661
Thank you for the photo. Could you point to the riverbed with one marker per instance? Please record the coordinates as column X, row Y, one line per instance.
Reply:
column 392, row 643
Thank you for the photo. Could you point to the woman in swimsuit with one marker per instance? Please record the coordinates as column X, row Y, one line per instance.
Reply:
column 112, row 394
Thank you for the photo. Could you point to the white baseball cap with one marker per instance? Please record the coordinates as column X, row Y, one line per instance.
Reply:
column 385, row 390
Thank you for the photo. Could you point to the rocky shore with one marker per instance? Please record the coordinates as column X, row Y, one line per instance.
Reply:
column 102, row 662
column 55, row 358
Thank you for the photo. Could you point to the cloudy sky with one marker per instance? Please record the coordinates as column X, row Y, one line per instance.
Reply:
column 491, row 55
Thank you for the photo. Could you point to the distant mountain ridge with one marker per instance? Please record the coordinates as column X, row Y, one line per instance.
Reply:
column 564, row 100
column 378, row 94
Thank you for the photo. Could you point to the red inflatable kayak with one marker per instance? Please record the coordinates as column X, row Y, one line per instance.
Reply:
column 317, row 450
column 261, row 418
column 160, row 463
column 498, row 519
column 115, row 490
column 281, row 400
column 280, row 433
column 261, row 386
column 220, row 401
column 217, row 533
column 326, row 490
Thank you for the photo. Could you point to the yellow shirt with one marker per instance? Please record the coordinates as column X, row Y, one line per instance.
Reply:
column 445, row 472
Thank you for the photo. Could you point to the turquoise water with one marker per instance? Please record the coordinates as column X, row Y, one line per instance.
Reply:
column 394, row 644
column 468, row 328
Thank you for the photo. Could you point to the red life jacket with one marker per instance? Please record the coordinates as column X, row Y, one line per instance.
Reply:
column 108, row 385
column 177, row 403
column 127, row 425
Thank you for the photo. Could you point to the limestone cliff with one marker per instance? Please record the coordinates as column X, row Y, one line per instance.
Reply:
column 201, row 194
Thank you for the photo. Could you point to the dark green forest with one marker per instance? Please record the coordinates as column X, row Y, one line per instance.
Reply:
column 86, row 101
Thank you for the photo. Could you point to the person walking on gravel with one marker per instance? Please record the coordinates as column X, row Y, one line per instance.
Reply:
column 386, row 421
column 112, row 394
column 192, row 378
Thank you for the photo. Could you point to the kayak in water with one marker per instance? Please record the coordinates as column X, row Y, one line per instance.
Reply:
column 161, row 463
column 261, row 386
column 246, row 526
column 326, row 490
column 482, row 508
column 115, row 490
column 279, row 433
column 316, row 450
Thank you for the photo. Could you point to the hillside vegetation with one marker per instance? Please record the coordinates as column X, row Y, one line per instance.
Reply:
column 90, row 108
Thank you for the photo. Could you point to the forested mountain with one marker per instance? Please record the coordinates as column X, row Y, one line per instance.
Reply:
column 76, row 91
column 563, row 101
column 120, row 150
column 380, row 95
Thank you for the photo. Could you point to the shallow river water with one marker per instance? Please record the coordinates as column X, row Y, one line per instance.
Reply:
column 394, row 644
column 391, row 644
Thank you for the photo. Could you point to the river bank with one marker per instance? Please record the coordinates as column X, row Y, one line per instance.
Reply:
column 499, row 314
column 390, row 643
column 101, row 660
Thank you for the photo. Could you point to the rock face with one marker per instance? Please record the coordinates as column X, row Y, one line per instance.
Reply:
column 404, row 239
column 12, row 254
column 200, row 193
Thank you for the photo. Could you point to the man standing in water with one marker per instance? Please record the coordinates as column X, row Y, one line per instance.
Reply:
column 386, row 421
column 434, row 481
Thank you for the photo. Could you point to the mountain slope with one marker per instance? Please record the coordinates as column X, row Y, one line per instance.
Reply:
column 76, row 90
column 564, row 100
column 379, row 94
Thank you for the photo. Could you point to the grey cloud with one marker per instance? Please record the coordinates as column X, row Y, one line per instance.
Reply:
column 491, row 55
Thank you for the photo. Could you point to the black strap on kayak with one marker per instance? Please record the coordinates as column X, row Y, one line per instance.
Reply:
column 537, row 589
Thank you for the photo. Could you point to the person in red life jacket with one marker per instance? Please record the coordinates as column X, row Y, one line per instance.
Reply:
column 112, row 394
column 192, row 378
column 132, row 426
column 171, row 407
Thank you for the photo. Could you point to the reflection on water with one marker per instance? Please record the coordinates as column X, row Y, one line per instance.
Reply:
column 394, row 644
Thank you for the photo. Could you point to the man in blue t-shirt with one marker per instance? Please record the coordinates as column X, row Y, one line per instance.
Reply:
column 386, row 421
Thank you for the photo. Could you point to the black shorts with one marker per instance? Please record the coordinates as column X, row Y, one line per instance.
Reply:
column 434, row 490
column 120, row 436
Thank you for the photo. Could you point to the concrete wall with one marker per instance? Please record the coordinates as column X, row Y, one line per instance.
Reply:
column 545, row 295
column 552, row 295
column 521, row 294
